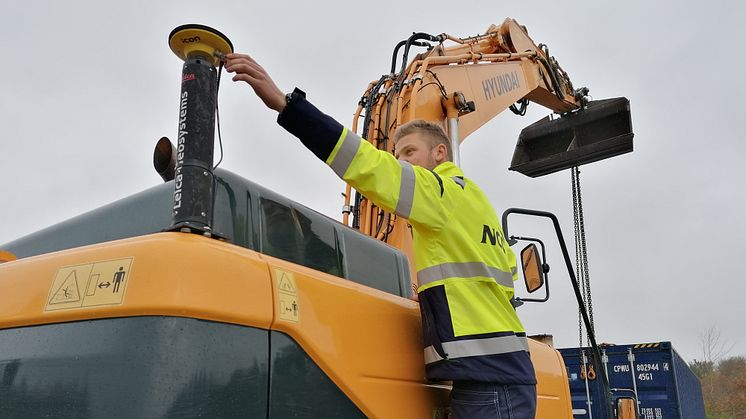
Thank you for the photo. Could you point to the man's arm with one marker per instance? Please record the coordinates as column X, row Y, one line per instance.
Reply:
column 316, row 130
column 410, row 191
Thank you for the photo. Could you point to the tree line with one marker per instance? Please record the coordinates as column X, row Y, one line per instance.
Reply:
column 723, row 378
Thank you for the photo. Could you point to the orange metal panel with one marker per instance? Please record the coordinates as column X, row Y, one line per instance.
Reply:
column 552, row 390
column 492, row 86
column 369, row 342
column 171, row 274
column 6, row 256
column 366, row 340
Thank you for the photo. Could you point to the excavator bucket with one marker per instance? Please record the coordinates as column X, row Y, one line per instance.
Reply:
column 603, row 129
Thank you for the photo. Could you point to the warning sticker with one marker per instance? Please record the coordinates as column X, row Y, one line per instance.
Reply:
column 287, row 296
column 89, row 285
column 68, row 291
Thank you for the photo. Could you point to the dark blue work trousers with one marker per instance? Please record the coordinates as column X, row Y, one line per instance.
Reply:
column 475, row 400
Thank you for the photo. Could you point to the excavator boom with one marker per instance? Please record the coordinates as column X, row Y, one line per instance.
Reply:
column 466, row 84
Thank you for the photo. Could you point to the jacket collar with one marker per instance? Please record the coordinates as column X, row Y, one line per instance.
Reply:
column 448, row 169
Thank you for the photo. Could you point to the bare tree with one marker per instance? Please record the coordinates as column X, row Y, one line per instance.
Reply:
column 723, row 379
column 713, row 346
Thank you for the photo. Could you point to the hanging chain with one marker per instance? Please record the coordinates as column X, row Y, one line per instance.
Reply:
column 577, row 254
column 586, row 274
column 581, row 254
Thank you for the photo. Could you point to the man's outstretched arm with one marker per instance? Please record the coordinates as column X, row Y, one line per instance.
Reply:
column 390, row 184
column 319, row 132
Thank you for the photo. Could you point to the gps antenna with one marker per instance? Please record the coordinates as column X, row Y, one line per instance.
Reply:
column 202, row 49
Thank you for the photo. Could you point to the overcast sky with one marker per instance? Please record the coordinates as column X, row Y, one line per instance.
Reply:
column 87, row 88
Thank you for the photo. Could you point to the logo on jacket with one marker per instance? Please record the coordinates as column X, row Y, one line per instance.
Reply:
column 494, row 236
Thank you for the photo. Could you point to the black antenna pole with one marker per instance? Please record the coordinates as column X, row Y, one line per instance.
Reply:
column 201, row 48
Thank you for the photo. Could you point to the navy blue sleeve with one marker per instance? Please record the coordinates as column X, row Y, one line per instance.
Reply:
column 316, row 130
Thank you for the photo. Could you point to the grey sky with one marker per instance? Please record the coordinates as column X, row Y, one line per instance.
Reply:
column 88, row 87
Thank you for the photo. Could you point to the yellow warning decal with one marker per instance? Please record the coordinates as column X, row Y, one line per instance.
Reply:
column 89, row 285
column 287, row 296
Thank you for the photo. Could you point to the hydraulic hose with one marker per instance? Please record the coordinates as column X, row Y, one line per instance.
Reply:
column 413, row 41
column 396, row 52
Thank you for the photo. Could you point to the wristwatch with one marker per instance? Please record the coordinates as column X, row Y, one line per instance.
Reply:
column 292, row 97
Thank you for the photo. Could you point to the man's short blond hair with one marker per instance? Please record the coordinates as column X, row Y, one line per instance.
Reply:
column 432, row 131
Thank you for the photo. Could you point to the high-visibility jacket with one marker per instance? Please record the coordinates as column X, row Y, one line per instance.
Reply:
column 465, row 268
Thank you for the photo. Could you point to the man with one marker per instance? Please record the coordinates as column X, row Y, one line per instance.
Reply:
column 465, row 269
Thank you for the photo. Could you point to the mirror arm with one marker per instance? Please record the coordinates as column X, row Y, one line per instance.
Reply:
column 517, row 302
column 576, row 287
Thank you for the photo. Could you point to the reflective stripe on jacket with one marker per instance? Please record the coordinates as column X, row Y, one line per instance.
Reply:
column 465, row 269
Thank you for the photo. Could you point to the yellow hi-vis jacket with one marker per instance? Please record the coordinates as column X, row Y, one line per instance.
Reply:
column 465, row 268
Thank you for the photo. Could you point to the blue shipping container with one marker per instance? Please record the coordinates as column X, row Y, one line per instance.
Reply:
column 663, row 383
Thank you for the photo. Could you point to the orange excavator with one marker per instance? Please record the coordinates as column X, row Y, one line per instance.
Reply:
column 211, row 296
column 466, row 85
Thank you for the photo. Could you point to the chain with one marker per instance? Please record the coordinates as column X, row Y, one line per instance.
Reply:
column 581, row 254
column 577, row 254
column 586, row 274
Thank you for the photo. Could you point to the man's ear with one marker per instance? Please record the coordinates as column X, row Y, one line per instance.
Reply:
column 440, row 153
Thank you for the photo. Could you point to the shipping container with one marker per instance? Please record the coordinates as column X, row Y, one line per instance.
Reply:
column 653, row 373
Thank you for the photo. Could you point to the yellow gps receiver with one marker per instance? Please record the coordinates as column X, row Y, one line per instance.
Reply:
column 193, row 39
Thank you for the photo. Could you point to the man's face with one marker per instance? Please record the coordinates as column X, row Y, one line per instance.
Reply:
column 416, row 149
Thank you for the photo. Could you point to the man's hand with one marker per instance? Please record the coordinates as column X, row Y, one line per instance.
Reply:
column 248, row 70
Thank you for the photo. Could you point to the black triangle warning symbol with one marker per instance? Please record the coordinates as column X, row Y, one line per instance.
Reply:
column 286, row 285
column 68, row 291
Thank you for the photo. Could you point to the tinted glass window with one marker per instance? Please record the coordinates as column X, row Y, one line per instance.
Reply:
column 299, row 389
column 231, row 213
column 299, row 236
column 137, row 367
column 144, row 213
column 374, row 264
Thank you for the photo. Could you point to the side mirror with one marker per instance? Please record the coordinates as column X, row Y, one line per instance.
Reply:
column 164, row 159
column 533, row 273
column 626, row 408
